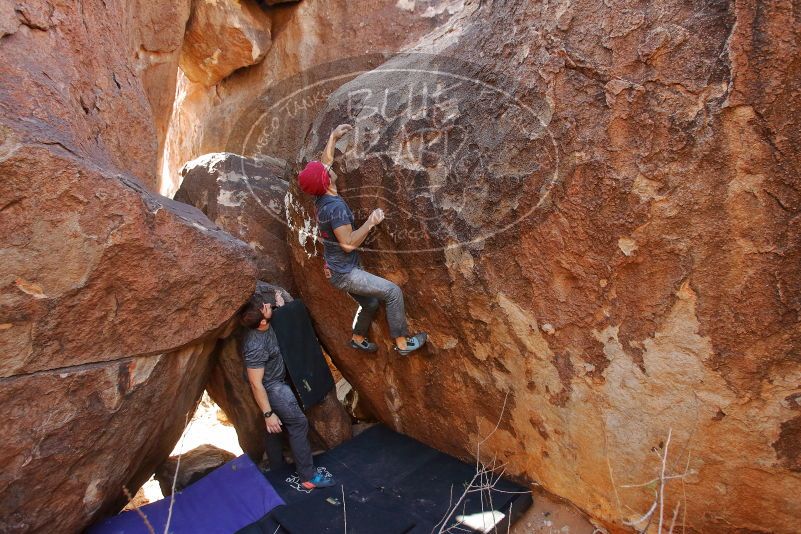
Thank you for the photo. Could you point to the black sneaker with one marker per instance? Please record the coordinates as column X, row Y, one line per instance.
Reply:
column 413, row 343
column 364, row 346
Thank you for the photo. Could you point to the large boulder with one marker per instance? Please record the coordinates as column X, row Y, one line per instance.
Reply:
column 96, row 269
column 182, row 470
column 223, row 36
column 111, row 297
column 329, row 421
column 593, row 210
column 74, row 438
column 245, row 197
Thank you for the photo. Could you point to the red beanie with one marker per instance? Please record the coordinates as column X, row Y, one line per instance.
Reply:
column 314, row 179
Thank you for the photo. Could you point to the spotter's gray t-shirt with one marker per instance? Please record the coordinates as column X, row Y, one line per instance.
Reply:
column 261, row 350
column 333, row 212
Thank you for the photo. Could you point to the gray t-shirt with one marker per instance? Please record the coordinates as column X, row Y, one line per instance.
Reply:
column 261, row 350
column 333, row 212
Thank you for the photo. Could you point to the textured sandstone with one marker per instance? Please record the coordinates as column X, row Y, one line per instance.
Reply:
column 192, row 466
column 111, row 297
column 73, row 438
column 156, row 39
column 353, row 405
column 221, row 37
column 610, row 243
column 607, row 246
column 95, row 268
column 244, row 197
column 228, row 387
column 80, row 104
column 315, row 37
column 329, row 421
column 127, row 83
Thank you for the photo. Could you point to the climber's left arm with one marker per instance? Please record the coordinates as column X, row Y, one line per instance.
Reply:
column 327, row 158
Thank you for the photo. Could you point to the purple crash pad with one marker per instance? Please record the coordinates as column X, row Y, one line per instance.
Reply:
column 227, row 499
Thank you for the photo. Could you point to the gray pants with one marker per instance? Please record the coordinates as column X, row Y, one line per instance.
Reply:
column 284, row 403
column 367, row 290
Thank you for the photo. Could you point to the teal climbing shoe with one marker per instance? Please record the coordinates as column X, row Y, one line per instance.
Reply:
column 364, row 346
column 413, row 343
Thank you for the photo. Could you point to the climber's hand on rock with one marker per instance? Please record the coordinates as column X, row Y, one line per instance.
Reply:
column 341, row 130
column 279, row 299
column 376, row 217
column 273, row 424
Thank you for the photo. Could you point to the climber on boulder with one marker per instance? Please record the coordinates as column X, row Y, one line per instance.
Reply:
column 267, row 376
column 342, row 265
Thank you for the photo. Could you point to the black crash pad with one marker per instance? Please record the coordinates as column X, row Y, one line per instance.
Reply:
column 307, row 368
column 384, row 474
column 328, row 517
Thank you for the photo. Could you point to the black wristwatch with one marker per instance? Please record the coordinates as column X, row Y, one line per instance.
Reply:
column 268, row 414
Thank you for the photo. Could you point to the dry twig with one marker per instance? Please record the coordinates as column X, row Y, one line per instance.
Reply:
column 662, row 483
column 486, row 477
column 659, row 493
column 675, row 515
column 175, row 476
column 139, row 512
column 344, row 509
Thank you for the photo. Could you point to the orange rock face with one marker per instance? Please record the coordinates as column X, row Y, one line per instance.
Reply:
column 157, row 36
column 593, row 211
column 88, row 253
column 111, row 297
column 223, row 36
column 73, row 438
column 592, row 208
column 84, row 104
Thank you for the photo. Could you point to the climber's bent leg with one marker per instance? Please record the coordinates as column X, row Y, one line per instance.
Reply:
column 360, row 282
column 368, row 306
